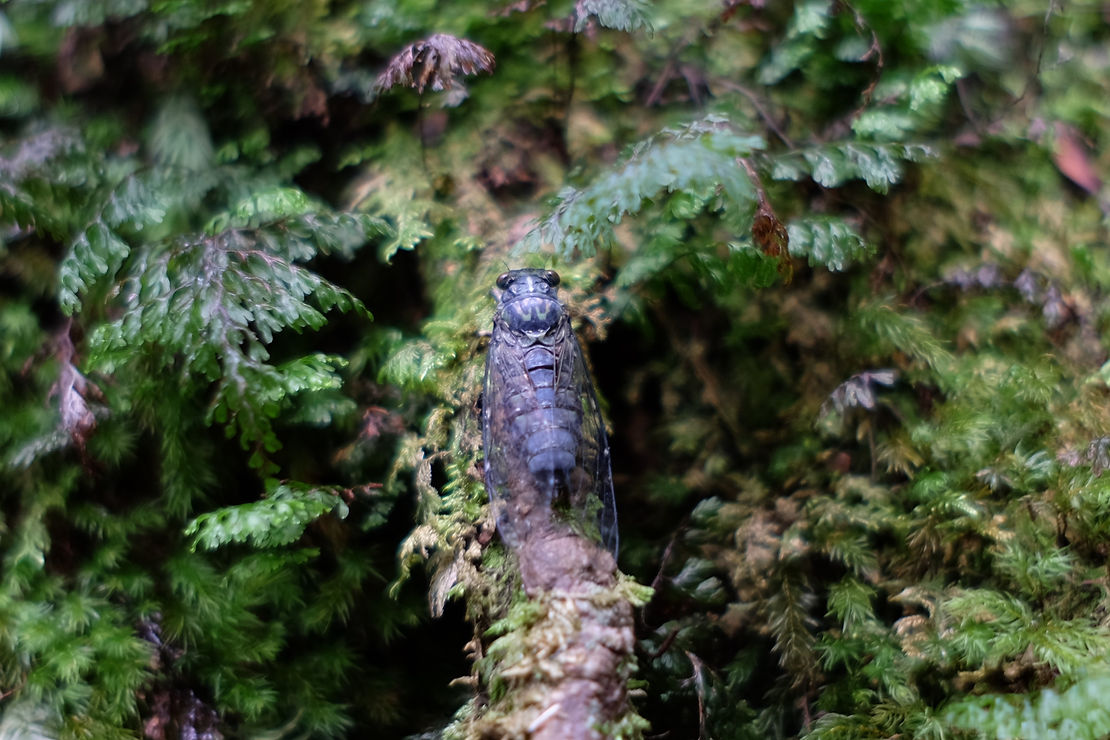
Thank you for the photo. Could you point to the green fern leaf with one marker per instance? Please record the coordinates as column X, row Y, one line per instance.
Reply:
column 828, row 241
column 214, row 304
column 179, row 137
column 97, row 253
column 276, row 520
column 879, row 165
column 699, row 158
column 622, row 15
column 135, row 203
column 808, row 24
column 261, row 206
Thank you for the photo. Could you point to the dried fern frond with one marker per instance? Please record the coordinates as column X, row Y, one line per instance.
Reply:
column 434, row 62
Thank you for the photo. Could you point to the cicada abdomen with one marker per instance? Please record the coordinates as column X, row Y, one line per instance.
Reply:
column 546, row 451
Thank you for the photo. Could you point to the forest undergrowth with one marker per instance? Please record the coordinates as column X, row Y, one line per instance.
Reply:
column 840, row 270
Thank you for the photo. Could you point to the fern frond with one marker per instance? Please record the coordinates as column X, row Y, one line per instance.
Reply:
column 276, row 520
column 699, row 158
column 828, row 241
column 213, row 304
column 621, row 15
column 831, row 165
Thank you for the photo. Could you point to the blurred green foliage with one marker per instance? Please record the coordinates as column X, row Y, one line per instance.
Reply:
column 842, row 272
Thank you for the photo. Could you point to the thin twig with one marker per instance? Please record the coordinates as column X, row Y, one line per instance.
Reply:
column 668, row 71
column 663, row 562
column 754, row 100
column 753, row 176
column 699, row 683
column 875, row 49
column 666, row 644
column 1040, row 52
column 420, row 130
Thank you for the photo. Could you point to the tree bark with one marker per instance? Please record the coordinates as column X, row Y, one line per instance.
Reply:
column 568, row 679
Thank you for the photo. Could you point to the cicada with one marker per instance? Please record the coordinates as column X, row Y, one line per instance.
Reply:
column 546, row 451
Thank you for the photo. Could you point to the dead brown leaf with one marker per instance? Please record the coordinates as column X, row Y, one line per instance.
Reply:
column 72, row 389
column 1073, row 160
column 434, row 62
column 769, row 233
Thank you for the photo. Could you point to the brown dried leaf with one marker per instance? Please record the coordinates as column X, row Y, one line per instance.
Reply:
column 1072, row 159
column 434, row 62
column 768, row 232
column 377, row 421
column 77, row 420
column 771, row 237
column 72, row 388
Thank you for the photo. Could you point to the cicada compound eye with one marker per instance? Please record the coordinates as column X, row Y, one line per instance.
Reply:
column 551, row 277
column 504, row 280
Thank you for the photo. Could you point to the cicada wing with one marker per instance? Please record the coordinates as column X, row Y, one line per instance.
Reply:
column 521, row 501
column 591, row 489
column 497, row 438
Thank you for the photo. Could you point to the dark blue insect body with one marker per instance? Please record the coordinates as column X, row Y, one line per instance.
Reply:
column 546, row 451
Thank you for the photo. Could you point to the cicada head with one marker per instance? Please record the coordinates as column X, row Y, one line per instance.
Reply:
column 528, row 303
